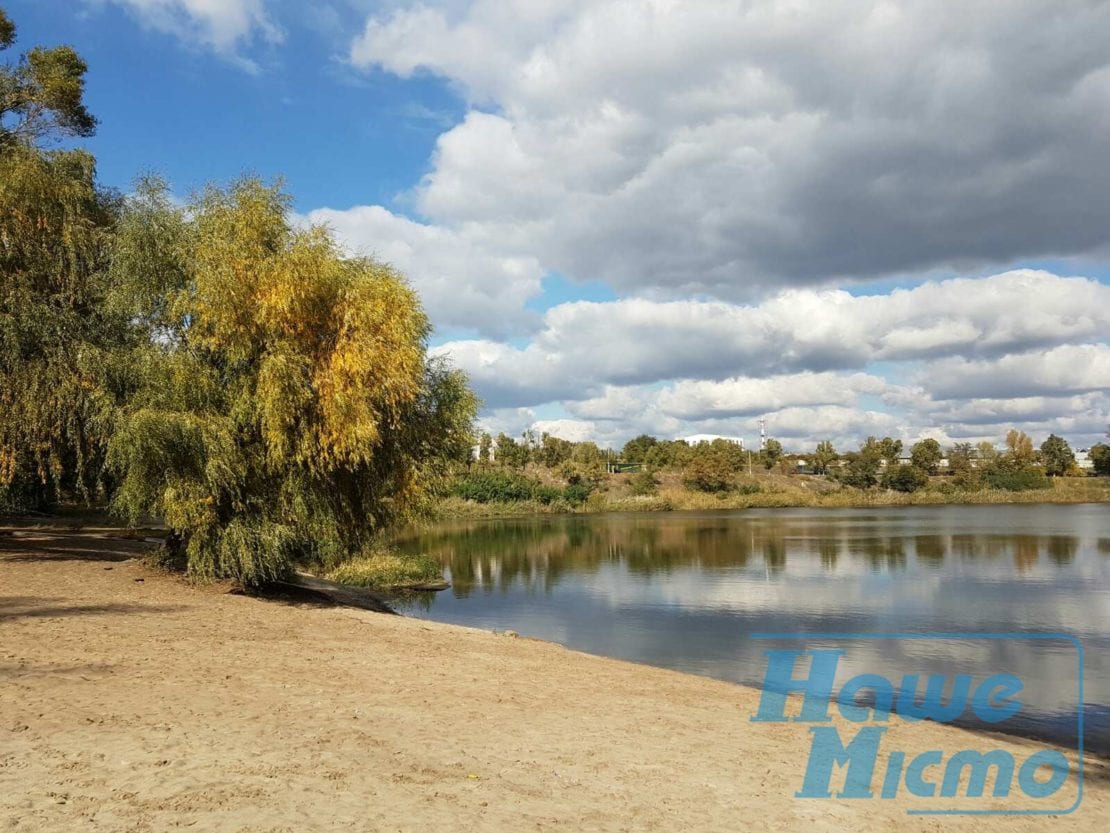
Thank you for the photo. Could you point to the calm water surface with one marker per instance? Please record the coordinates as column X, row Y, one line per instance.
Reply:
column 685, row 590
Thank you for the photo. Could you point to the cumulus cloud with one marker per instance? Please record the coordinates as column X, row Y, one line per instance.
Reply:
column 575, row 430
column 221, row 25
column 723, row 165
column 582, row 347
column 957, row 359
column 1071, row 368
column 736, row 147
column 744, row 396
column 461, row 283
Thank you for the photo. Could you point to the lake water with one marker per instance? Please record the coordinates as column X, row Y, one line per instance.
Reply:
column 686, row 590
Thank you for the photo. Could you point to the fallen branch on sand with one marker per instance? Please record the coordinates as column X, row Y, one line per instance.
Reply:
column 338, row 593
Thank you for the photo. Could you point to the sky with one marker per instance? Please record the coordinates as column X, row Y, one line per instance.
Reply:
column 848, row 217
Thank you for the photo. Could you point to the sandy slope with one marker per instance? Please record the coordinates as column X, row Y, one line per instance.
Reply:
column 131, row 701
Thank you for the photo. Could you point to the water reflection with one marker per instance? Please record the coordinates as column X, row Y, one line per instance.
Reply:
column 684, row 590
column 539, row 553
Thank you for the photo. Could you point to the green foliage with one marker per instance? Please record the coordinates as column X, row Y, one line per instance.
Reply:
column 905, row 478
column 494, row 487
column 926, row 455
column 41, row 95
column 961, row 465
column 643, row 483
column 771, row 454
column 554, row 451
column 503, row 487
column 1100, row 458
column 578, row 493
column 587, row 456
column 285, row 411
column 960, row 457
column 1014, row 476
column 508, row 452
column 824, row 457
column 667, row 454
column 710, row 473
column 889, row 449
column 1019, row 446
column 387, row 570
column 861, row 468
column 1057, row 456
column 986, row 452
column 636, row 449
column 56, row 335
column 7, row 30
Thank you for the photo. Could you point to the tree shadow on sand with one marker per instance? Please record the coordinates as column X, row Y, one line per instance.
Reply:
column 27, row 545
column 37, row 607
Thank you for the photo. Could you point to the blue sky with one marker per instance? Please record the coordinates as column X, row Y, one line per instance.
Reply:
column 337, row 137
column 671, row 218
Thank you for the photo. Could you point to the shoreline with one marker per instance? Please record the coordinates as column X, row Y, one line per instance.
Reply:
column 133, row 700
column 683, row 501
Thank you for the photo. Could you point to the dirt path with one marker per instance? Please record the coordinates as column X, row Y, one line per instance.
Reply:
column 130, row 701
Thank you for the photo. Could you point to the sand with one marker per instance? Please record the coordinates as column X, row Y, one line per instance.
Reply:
column 133, row 701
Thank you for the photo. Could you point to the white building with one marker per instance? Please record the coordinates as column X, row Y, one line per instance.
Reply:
column 698, row 439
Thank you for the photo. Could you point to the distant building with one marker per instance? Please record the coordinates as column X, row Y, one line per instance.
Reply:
column 698, row 439
column 476, row 452
column 1083, row 460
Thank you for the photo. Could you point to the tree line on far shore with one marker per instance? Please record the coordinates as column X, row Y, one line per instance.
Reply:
column 501, row 465
column 207, row 364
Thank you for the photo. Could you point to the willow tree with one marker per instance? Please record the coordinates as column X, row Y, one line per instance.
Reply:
column 55, row 334
column 286, row 410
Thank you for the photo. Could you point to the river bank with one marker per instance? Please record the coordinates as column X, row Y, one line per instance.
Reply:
column 134, row 701
column 780, row 492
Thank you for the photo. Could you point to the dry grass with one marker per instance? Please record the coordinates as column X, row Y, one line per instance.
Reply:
column 388, row 570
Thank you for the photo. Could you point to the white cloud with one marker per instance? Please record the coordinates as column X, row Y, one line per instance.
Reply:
column 745, row 396
column 736, row 147
column 221, row 25
column 575, row 430
column 584, row 346
column 718, row 163
column 1070, row 368
column 461, row 283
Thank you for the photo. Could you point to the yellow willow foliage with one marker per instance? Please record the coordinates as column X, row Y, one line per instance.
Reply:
column 288, row 411
column 55, row 335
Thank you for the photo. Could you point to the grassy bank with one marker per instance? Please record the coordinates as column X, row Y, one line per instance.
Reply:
column 778, row 491
column 388, row 571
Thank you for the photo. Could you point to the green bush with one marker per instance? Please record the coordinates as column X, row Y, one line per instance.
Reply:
column 642, row 483
column 502, row 487
column 577, row 493
column 905, row 478
column 494, row 487
column 547, row 495
column 710, row 474
column 1016, row 478
column 860, row 470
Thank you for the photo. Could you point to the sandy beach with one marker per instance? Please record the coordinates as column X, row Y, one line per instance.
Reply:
column 133, row 701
